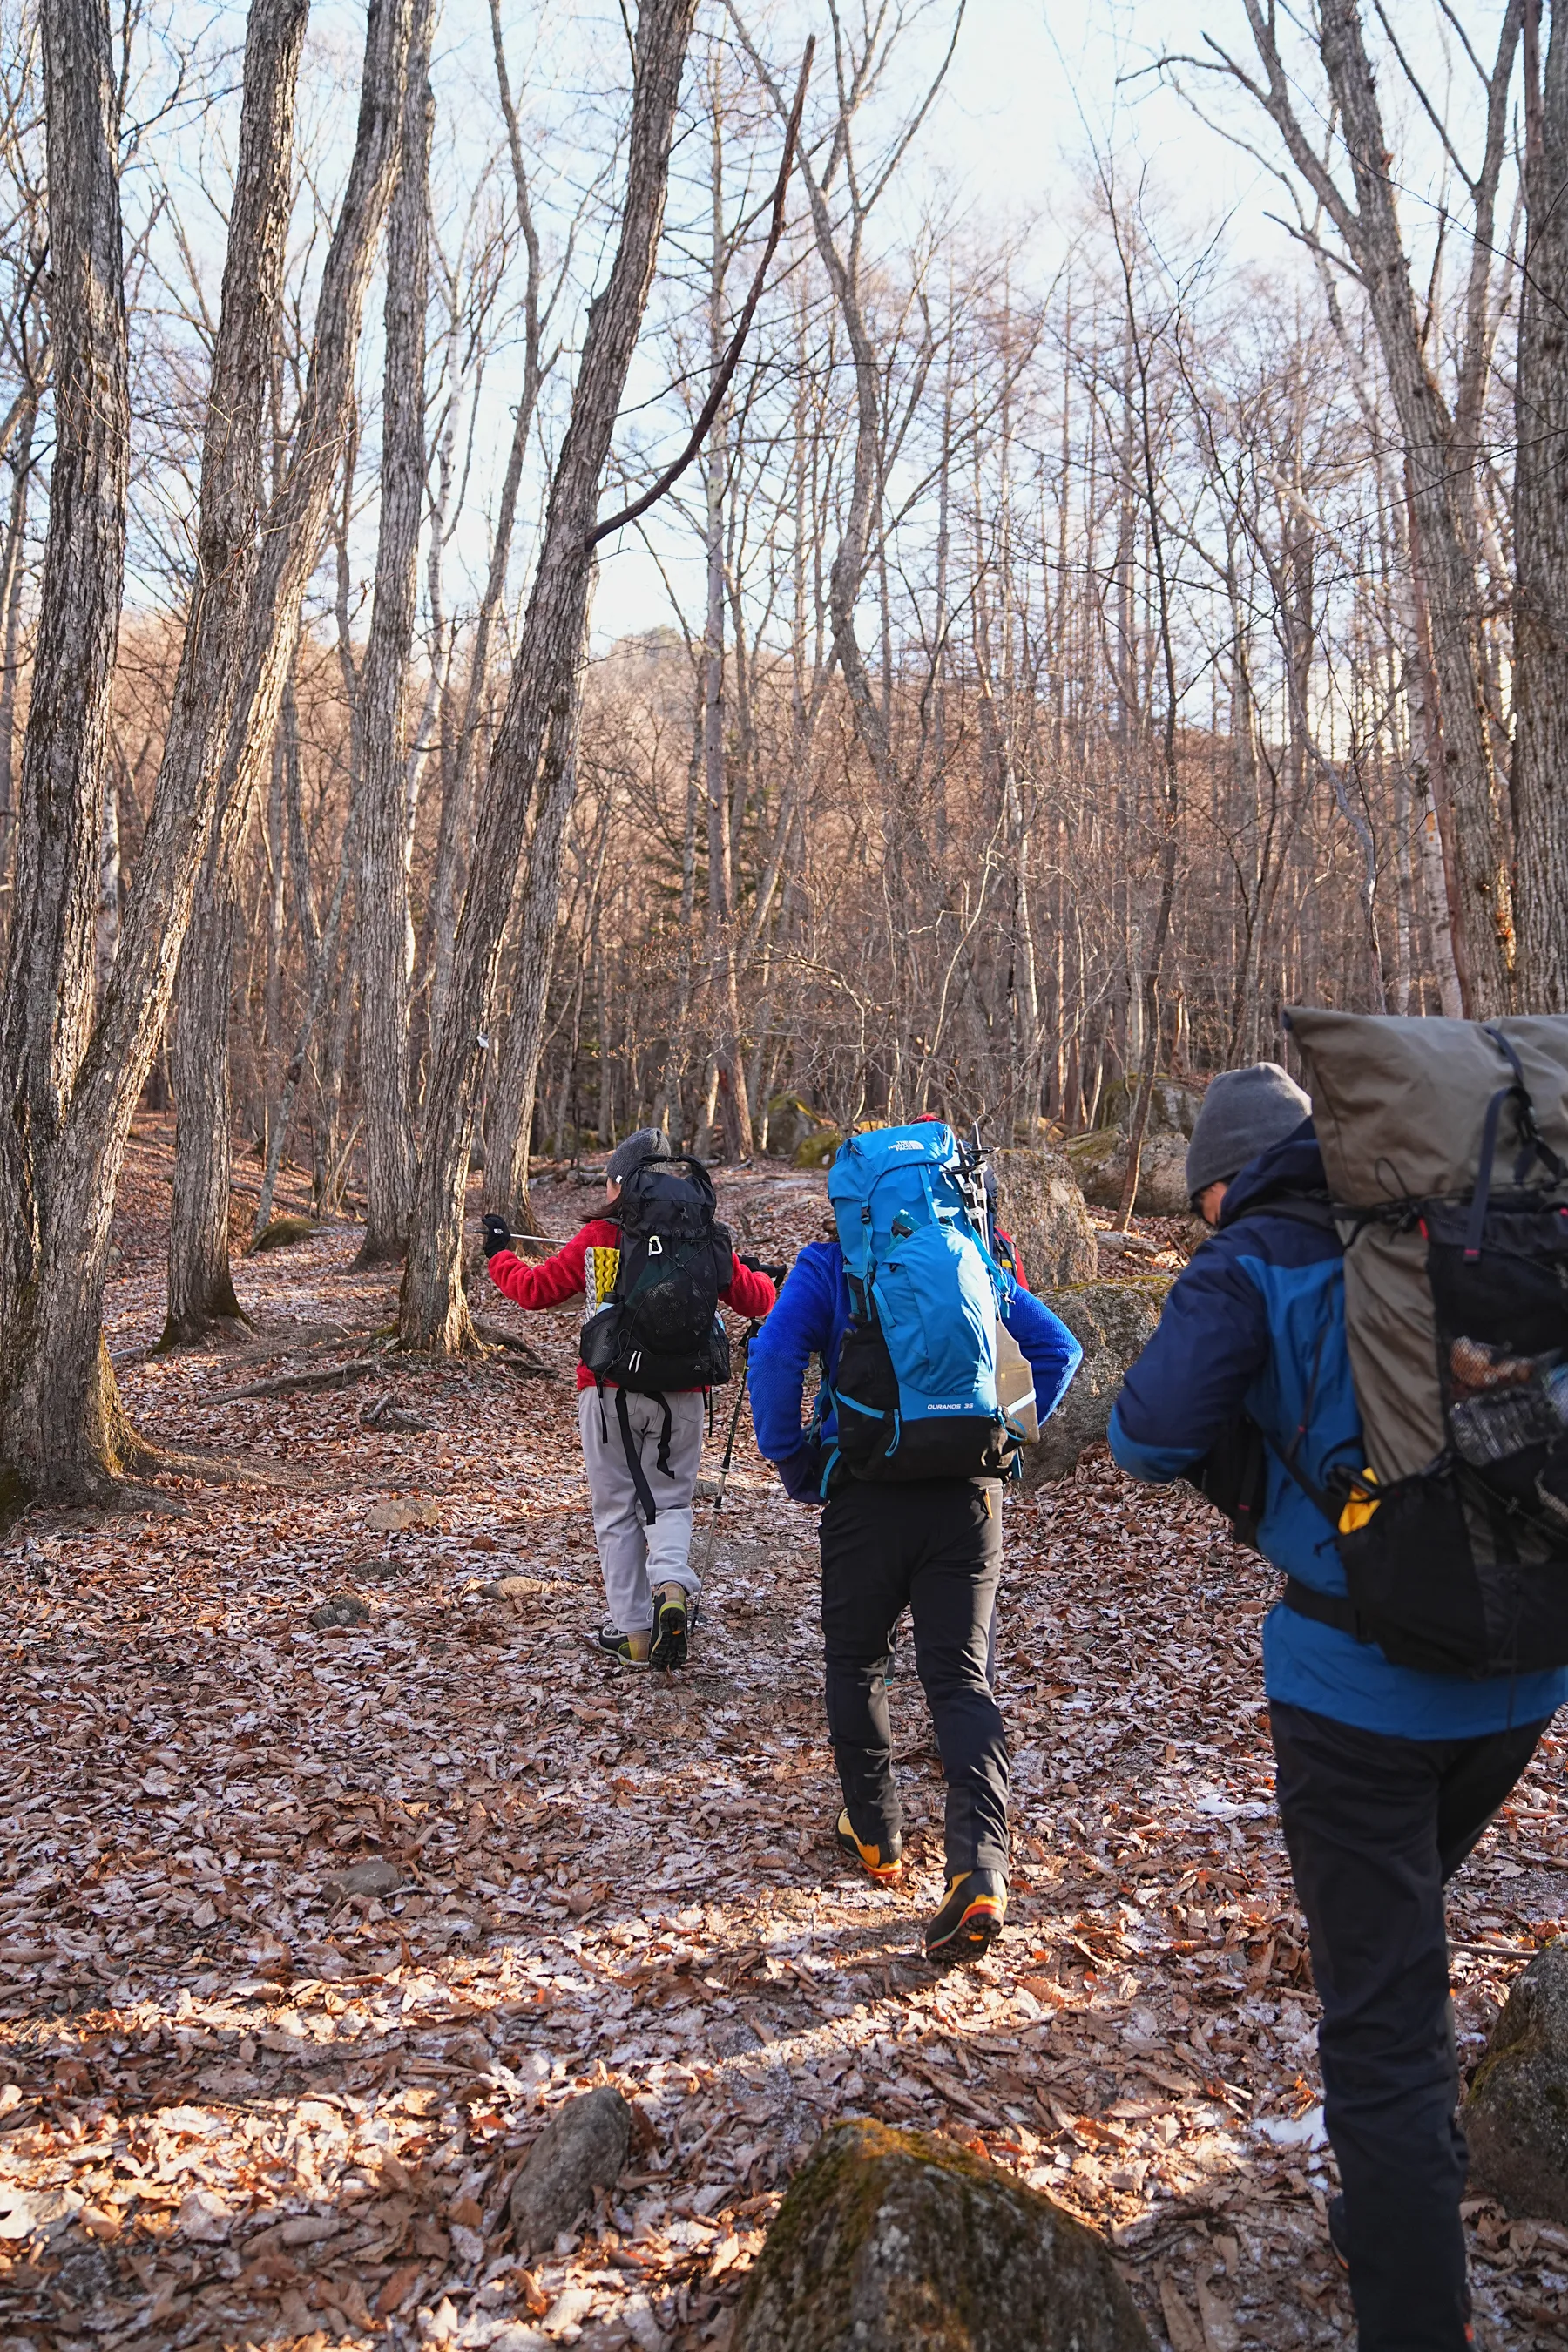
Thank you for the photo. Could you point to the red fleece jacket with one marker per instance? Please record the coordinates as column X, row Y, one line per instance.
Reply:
column 555, row 1279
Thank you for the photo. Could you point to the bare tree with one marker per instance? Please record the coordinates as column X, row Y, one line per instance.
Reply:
column 1441, row 441
column 386, row 925
column 1541, row 528
column 201, row 1290
column 434, row 1313
column 60, row 1425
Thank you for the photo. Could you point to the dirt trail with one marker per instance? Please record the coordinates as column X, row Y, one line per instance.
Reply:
column 242, row 2103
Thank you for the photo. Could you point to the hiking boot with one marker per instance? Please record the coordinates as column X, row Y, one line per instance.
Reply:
column 1339, row 2232
column 879, row 1863
column 671, row 1625
column 627, row 1649
column 970, row 1919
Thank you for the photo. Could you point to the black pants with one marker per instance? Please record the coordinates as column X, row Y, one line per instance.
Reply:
column 1375, row 1828
column 934, row 1548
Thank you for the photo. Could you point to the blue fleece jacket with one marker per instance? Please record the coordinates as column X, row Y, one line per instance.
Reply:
column 810, row 1320
column 1259, row 1305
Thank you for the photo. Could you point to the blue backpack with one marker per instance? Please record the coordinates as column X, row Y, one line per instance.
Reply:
column 914, row 1388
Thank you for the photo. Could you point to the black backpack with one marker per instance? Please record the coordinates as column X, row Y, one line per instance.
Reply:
column 660, row 1329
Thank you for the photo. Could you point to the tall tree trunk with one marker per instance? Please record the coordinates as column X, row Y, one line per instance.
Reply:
column 289, row 543
column 1540, row 530
column 434, row 1312
column 434, row 957
column 387, row 941
column 508, row 1129
column 48, row 991
column 1440, row 455
column 201, row 1295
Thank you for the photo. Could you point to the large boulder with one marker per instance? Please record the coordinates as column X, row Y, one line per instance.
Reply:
column 1099, row 1162
column 1516, row 2117
column 1113, row 1323
column 1173, row 1111
column 583, row 2148
column 894, row 2241
column 1039, row 1203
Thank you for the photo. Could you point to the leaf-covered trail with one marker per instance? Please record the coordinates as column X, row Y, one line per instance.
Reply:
column 243, row 2102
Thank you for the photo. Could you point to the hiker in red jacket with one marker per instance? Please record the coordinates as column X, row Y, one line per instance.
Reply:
column 642, row 1449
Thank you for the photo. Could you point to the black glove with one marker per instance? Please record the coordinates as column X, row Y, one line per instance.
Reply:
column 801, row 1473
column 775, row 1274
column 497, row 1236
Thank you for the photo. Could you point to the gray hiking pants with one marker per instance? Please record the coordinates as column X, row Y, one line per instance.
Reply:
column 634, row 1557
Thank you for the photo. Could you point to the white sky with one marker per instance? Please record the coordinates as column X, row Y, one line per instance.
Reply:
column 1034, row 85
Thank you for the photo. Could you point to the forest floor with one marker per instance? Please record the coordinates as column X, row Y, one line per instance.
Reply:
column 242, row 2106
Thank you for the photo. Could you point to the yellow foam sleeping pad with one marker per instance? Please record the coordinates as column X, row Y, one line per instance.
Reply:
column 600, row 1267
column 1360, row 1504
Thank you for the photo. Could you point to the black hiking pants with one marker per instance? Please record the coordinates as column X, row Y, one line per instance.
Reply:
column 934, row 1548
column 1375, row 1827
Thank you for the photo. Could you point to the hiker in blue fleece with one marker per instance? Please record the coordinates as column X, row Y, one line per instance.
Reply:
column 932, row 1545
column 1387, row 1778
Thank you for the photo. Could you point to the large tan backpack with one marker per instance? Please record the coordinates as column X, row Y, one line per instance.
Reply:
column 1445, row 1148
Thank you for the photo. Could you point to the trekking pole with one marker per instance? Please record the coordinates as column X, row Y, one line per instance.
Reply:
column 751, row 1333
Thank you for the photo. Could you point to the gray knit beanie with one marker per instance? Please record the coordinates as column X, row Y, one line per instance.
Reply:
column 647, row 1143
column 1243, row 1113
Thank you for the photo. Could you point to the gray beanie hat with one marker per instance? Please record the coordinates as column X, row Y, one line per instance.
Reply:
column 1243, row 1113
column 647, row 1143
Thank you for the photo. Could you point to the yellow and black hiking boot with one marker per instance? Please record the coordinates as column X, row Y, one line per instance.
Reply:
column 627, row 1649
column 970, row 1919
column 669, row 1626
column 880, row 1862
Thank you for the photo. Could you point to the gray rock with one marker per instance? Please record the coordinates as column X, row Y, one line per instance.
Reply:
column 582, row 2147
column 1516, row 2117
column 1099, row 1162
column 373, row 1877
column 895, row 2241
column 1113, row 1323
column 1039, row 1203
column 343, row 1611
column 1173, row 1111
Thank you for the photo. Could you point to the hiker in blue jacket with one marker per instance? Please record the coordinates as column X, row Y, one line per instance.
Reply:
column 933, row 1545
column 1387, row 1777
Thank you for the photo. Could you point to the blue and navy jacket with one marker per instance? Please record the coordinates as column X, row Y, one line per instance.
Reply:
column 1257, row 1324
column 810, row 1320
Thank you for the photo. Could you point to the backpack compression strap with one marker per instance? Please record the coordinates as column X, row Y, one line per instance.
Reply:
column 1533, row 1145
column 641, row 1487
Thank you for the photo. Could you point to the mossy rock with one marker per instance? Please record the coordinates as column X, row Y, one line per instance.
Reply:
column 817, row 1150
column 283, row 1232
column 897, row 2241
column 1112, row 1322
column 791, row 1122
column 1516, row 2117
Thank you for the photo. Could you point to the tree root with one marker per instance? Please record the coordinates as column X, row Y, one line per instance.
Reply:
column 325, row 1376
column 529, row 1365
